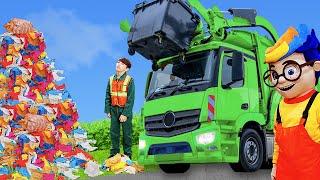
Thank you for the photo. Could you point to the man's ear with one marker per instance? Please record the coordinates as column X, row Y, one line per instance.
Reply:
column 316, row 65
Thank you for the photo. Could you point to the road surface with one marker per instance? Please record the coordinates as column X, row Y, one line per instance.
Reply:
column 197, row 172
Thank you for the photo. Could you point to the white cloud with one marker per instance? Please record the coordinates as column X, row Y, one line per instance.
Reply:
column 74, row 41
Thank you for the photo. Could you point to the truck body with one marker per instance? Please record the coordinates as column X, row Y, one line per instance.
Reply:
column 210, row 104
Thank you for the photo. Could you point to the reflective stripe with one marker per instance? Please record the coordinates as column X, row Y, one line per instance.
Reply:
column 126, row 83
column 120, row 94
column 210, row 115
column 110, row 81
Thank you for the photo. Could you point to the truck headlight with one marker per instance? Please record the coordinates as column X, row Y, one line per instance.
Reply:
column 142, row 144
column 206, row 138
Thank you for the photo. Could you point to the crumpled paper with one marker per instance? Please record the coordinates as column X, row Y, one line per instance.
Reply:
column 92, row 169
column 19, row 26
column 121, row 163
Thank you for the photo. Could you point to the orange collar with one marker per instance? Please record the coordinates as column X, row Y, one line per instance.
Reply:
column 300, row 98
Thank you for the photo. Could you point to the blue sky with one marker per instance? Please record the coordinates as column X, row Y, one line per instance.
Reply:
column 85, row 39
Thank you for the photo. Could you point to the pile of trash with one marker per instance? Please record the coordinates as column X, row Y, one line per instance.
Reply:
column 40, row 137
column 121, row 163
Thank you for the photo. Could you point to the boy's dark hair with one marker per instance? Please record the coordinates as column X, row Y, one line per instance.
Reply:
column 125, row 61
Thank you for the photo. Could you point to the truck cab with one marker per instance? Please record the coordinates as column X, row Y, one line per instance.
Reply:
column 208, row 108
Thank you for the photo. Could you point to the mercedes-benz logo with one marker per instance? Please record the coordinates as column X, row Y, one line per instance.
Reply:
column 169, row 119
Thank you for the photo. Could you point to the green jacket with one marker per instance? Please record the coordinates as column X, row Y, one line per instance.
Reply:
column 127, row 110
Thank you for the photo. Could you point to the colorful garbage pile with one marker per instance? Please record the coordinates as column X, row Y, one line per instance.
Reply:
column 121, row 163
column 40, row 137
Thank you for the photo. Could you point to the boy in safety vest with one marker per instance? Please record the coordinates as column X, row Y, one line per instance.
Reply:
column 294, row 70
column 118, row 106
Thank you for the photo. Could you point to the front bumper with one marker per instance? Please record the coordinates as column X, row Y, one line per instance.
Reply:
column 200, row 153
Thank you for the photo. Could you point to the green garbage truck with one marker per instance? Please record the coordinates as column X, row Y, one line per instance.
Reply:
column 206, row 101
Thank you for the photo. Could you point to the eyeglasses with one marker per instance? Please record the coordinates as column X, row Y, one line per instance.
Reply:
column 291, row 72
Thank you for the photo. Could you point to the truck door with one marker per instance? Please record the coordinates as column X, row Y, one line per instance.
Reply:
column 232, row 99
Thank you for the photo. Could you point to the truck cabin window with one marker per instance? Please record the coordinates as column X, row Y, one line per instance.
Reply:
column 194, row 73
column 232, row 70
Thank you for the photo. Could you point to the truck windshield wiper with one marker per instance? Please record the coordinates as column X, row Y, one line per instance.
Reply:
column 185, row 86
column 160, row 92
column 180, row 87
column 196, row 80
column 170, row 86
column 157, row 93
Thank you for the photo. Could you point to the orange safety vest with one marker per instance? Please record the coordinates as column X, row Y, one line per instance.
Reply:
column 119, row 91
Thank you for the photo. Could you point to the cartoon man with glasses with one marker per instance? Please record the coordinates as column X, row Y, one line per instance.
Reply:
column 294, row 68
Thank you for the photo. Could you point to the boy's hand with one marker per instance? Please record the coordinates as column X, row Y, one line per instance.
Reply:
column 109, row 115
column 273, row 172
column 123, row 118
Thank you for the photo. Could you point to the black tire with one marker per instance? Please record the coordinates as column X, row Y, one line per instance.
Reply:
column 251, row 152
column 174, row 168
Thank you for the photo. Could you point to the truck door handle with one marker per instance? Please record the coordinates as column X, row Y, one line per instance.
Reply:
column 245, row 106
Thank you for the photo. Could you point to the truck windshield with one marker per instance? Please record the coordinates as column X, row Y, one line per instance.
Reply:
column 195, row 73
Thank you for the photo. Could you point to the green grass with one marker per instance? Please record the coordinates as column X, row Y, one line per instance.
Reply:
column 100, row 131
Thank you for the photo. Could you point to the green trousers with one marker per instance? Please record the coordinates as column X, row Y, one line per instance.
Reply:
column 115, row 132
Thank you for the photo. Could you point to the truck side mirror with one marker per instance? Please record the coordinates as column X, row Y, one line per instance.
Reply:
column 237, row 66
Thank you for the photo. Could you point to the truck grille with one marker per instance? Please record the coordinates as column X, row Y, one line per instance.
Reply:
column 169, row 148
column 184, row 121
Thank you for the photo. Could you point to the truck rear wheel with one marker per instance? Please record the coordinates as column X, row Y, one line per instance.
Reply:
column 251, row 152
column 174, row 168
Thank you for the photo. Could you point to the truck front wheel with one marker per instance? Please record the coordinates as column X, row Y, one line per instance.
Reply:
column 174, row 168
column 251, row 152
